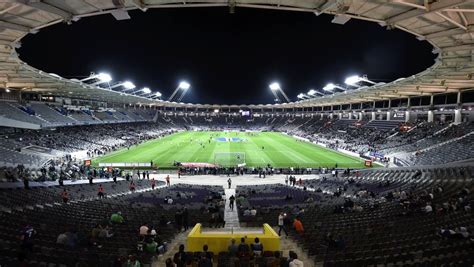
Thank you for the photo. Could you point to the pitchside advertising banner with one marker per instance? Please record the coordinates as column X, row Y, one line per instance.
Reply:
column 398, row 116
column 126, row 164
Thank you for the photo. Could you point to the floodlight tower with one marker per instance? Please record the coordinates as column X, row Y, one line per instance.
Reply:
column 156, row 95
column 302, row 96
column 275, row 88
column 144, row 90
column 127, row 85
column 330, row 87
column 184, row 87
column 313, row 93
column 356, row 79
column 99, row 78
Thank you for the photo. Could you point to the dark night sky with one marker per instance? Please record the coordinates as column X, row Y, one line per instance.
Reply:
column 228, row 58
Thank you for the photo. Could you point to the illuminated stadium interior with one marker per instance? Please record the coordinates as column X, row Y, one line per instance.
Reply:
column 101, row 170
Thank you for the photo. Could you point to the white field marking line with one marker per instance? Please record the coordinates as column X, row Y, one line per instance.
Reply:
column 292, row 152
column 258, row 152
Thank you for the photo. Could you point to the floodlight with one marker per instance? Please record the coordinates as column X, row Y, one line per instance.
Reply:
column 275, row 86
column 184, row 85
column 7, row 90
column 329, row 87
column 128, row 85
column 146, row 90
column 352, row 80
column 104, row 77
column 156, row 95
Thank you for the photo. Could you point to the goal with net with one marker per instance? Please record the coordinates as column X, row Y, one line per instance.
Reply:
column 229, row 159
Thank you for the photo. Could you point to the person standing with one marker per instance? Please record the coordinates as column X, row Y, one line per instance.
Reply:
column 231, row 202
column 153, row 183
column 298, row 225
column 229, row 182
column 178, row 219
column 101, row 192
column 168, row 180
column 243, row 248
column 26, row 182
column 185, row 219
column 233, row 249
column 257, row 247
column 281, row 223
column 65, row 196
column 180, row 257
column 27, row 236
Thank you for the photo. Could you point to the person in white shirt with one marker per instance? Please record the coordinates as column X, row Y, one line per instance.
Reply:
column 294, row 262
column 281, row 223
column 253, row 212
column 428, row 208
column 170, row 201
column 144, row 229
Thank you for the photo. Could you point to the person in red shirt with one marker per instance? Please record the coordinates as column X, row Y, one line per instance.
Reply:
column 153, row 183
column 298, row 226
column 132, row 186
column 65, row 196
column 101, row 192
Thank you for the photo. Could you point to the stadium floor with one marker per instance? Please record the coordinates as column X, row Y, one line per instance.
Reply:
column 255, row 149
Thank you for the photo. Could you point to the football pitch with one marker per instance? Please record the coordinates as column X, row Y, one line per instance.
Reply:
column 227, row 148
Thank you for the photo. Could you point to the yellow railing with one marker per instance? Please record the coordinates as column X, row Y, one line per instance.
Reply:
column 219, row 241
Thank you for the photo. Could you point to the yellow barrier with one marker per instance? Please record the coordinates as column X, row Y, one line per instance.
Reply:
column 220, row 241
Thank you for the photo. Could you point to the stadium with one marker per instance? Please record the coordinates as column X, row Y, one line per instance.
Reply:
column 98, row 171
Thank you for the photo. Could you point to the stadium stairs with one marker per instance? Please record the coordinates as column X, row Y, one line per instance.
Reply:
column 382, row 124
column 231, row 217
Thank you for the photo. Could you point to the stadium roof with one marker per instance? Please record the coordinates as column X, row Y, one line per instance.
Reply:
column 446, row 24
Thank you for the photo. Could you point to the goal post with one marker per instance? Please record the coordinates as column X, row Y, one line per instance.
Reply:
column 229, row 159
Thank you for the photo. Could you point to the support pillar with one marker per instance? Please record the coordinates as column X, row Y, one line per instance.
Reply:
column 360, row 116
column 430, row 116
column 373, row 115
column 457, row 116
column 388, row 115
column 407, row 116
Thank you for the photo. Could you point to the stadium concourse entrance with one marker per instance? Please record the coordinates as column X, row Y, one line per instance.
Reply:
column 218, row 239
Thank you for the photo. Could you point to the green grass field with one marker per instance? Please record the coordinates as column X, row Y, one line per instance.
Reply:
column 260, row 149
